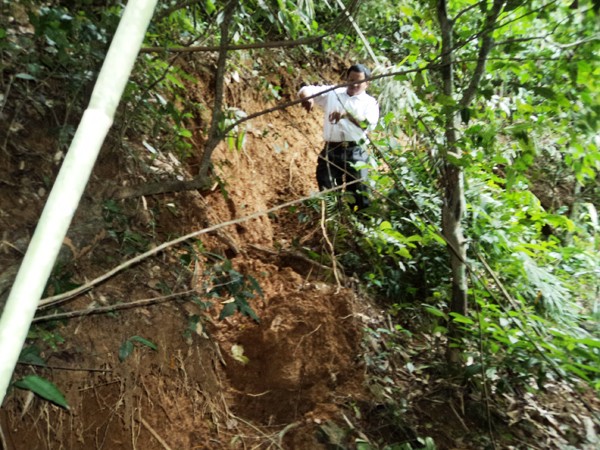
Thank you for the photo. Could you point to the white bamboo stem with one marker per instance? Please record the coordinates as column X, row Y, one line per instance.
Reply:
column 69, row 186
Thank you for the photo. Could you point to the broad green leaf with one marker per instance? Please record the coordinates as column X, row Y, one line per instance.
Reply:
column 461, row 319
column 144, row 341
column 44, row 388
column 589, row 342
column 184, row 133
column 228, row 310
column 436, row 312
column 31, row 355
column 25, row 76
column 385, row 225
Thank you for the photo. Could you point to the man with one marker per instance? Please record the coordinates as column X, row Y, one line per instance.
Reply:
column 349, row 114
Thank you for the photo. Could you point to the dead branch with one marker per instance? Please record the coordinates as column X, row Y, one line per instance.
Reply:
column 112, row 308
column 216, row 48
column 154, row 433
column 56, row 299
column 71, row 369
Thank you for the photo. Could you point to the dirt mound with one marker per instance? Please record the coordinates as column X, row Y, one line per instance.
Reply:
column 301, row 354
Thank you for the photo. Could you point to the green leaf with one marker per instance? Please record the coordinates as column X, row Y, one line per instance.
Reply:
column 44, row 388
column 436, row 312
column 461, row 319
column 228, row 310
column 589, row 342
column 545, row 92
column 184, row 133
column 127, row 347
column 25, row 76
column 31, row 355
column 385, row 225
column 125, row 350
column 145, row 342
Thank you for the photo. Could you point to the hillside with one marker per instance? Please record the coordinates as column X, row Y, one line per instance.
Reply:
column 321, row 367
column 303, row 356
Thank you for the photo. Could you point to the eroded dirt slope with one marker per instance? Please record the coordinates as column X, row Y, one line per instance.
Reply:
column 170, row 373
column 209, row 383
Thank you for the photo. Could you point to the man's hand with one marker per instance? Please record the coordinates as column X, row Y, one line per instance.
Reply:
column 336, row 116
column 308, row 104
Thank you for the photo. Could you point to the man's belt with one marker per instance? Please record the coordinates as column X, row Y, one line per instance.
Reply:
column 343, row 144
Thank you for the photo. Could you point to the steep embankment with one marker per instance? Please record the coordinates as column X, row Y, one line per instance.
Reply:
column 208, row 382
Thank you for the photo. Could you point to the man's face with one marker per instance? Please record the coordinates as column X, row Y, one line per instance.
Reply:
column 359, row 86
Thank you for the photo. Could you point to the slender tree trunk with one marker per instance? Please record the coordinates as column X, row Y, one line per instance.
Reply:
column 453, row 206
column 215, row 135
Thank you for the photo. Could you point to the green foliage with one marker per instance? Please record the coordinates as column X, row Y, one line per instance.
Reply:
column 529, row 151
column 119, row 228
column 233, row 289
column 42, row 387
column 47, row 334
column 128, row 346
column 522, row 350
column 31, row 355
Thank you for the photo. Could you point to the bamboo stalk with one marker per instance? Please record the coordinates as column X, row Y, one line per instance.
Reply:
column 69, row 185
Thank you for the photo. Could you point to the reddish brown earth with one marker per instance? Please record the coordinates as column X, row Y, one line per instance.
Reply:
column 309, row 376
column 303, row 357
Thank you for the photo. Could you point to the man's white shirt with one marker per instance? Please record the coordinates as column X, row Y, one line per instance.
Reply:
column 362, row 107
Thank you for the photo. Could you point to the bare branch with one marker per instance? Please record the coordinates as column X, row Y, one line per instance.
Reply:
column 116, row 307
column 167, row 12
column 216, row 48
column 484, row 49
column 60, row 298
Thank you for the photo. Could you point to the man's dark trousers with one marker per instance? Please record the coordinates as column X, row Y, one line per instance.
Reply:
column 336, row 166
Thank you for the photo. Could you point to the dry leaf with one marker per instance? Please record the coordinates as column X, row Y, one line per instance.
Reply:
column 237, row 351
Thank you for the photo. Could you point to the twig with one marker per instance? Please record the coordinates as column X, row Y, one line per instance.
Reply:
column 110, row 308
column 359, row 32
column 287, row 428
column 5, row 99
column 255, row 428
column 333, row 260
column 302, row 338
column 154, row 433
column 216, row 48
column 74, row 369
column 3, row 439
column 460, row 419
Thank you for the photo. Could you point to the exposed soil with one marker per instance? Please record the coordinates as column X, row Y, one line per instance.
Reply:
column 305, row 376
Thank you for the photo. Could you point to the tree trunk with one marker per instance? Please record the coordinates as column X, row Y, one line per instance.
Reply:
column 215, row 135
column 453, row 206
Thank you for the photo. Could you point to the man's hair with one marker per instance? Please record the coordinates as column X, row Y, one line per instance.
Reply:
column 360, row 68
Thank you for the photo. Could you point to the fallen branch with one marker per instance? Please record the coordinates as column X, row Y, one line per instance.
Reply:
column 72, row 369
column 56, row 299
column 154, row 433
column 111, row 308
column 333, row 258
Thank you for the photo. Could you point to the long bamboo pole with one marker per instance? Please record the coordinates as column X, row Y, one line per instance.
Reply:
column 69, row 185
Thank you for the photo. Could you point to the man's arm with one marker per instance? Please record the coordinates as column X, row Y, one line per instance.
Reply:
column 306, row 104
